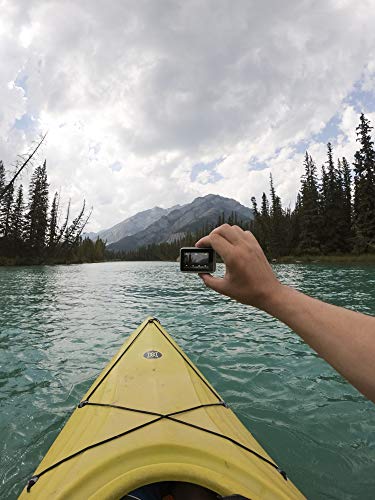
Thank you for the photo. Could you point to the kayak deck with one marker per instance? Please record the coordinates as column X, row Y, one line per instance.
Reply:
column 152, row 416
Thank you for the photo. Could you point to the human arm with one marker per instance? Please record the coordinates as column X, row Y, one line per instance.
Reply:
column 344, row 338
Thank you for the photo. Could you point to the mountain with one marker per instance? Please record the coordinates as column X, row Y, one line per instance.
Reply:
column 130, row 226
column 180, row 220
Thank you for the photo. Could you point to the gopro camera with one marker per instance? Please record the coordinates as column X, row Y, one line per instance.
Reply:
column 197, row 260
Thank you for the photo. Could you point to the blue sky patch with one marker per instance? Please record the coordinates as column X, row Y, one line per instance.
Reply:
column 116, row 167
column 257, row 165
column 330, row 131
column 26, row 122
column 361, row 100
column 21, row 81
column 209, row 167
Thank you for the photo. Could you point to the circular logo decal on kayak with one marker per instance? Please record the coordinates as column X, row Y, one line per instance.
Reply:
column 152, row 355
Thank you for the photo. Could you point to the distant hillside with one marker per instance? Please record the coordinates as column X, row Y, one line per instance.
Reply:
column 185, row 218
column 130, row 226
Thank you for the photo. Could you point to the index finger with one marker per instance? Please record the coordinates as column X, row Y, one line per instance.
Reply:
column 217, row 242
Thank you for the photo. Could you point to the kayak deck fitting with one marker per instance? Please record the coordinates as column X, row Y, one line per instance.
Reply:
column 151, row 416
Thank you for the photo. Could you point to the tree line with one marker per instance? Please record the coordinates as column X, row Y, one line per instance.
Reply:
column 33, row 231
column 334, row 211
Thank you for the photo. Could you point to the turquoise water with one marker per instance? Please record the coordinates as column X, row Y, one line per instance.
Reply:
column 60, row 325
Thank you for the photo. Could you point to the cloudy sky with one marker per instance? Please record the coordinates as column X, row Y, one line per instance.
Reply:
column 156, row 102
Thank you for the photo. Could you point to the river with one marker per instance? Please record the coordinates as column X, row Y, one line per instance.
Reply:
column 59, row 326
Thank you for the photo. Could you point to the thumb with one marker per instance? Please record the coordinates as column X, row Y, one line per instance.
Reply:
column 217, row 284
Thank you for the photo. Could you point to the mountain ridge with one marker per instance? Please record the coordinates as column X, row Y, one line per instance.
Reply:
column 131, row 225
column 182, row 219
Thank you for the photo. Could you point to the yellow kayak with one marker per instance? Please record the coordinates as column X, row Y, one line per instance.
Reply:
column 151, row 416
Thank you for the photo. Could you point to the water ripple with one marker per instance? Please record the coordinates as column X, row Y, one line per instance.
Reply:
column 60, row 325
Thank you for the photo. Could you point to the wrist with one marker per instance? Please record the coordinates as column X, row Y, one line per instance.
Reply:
column 276, row 299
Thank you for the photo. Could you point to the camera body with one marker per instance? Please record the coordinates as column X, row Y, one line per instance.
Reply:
column 197, row 260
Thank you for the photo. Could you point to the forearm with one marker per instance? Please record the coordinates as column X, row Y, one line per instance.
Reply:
column 344, row 338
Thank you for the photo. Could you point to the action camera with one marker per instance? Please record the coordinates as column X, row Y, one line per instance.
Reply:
column 197, row 260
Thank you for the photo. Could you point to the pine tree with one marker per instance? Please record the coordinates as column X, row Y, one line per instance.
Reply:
column 261, row 223
column 6, row 205
column 364, row 189
column 2, row 178
column 2, row 200
column 341, row 228
column 348, row 203
column 17, row 218
column 265, row 210
column 296, row 226
column 308, row 210
column 254, row 205
column 52, row 226
column 345, row 205
column 331, row 207
column 277, row 227
column 38, row 209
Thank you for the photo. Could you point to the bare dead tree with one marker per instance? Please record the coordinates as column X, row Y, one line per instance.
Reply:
column 84, row 224
column 26, row 161
column 64, row 226
column 76, row 227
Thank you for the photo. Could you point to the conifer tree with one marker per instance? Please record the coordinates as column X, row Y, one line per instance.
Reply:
column 308, row 208
column 254, row 205
column 52, row 225
column 265, row 210
column 277, row 233
column 331, row 206
column 2, row 201
column 262, row 225
column 6, row 205
column 364, row 189
column 38, row 209
column 342, row 230
column 348, row 203
column 17, row 218
column 2, row 178
column 296, row 226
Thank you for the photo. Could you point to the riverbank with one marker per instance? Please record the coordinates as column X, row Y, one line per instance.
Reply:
column 327, row 259
column 291, row 259
column 288, row 259
column 35, row 261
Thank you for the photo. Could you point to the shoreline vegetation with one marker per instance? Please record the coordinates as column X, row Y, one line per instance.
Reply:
column 361, row 259
column 333, row 220
column 35, row 232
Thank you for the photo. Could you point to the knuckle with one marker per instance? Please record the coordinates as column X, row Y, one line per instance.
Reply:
column 222, row 228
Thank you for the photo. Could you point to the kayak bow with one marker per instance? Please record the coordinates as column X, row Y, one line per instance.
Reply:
column 151, row 416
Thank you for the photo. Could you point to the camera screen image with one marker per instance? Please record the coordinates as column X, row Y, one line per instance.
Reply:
column 196, row 259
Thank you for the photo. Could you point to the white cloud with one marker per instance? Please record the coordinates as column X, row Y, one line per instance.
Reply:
column 161, row 86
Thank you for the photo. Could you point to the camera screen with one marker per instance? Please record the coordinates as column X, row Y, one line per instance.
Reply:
column 196, row 259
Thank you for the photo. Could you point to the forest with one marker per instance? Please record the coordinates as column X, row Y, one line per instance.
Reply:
column 334, row 213
column 32, row 231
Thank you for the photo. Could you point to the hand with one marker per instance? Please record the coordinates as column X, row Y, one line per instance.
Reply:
column 248, row 276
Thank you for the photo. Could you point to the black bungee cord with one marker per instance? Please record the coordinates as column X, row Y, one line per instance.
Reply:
column 158, row 416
